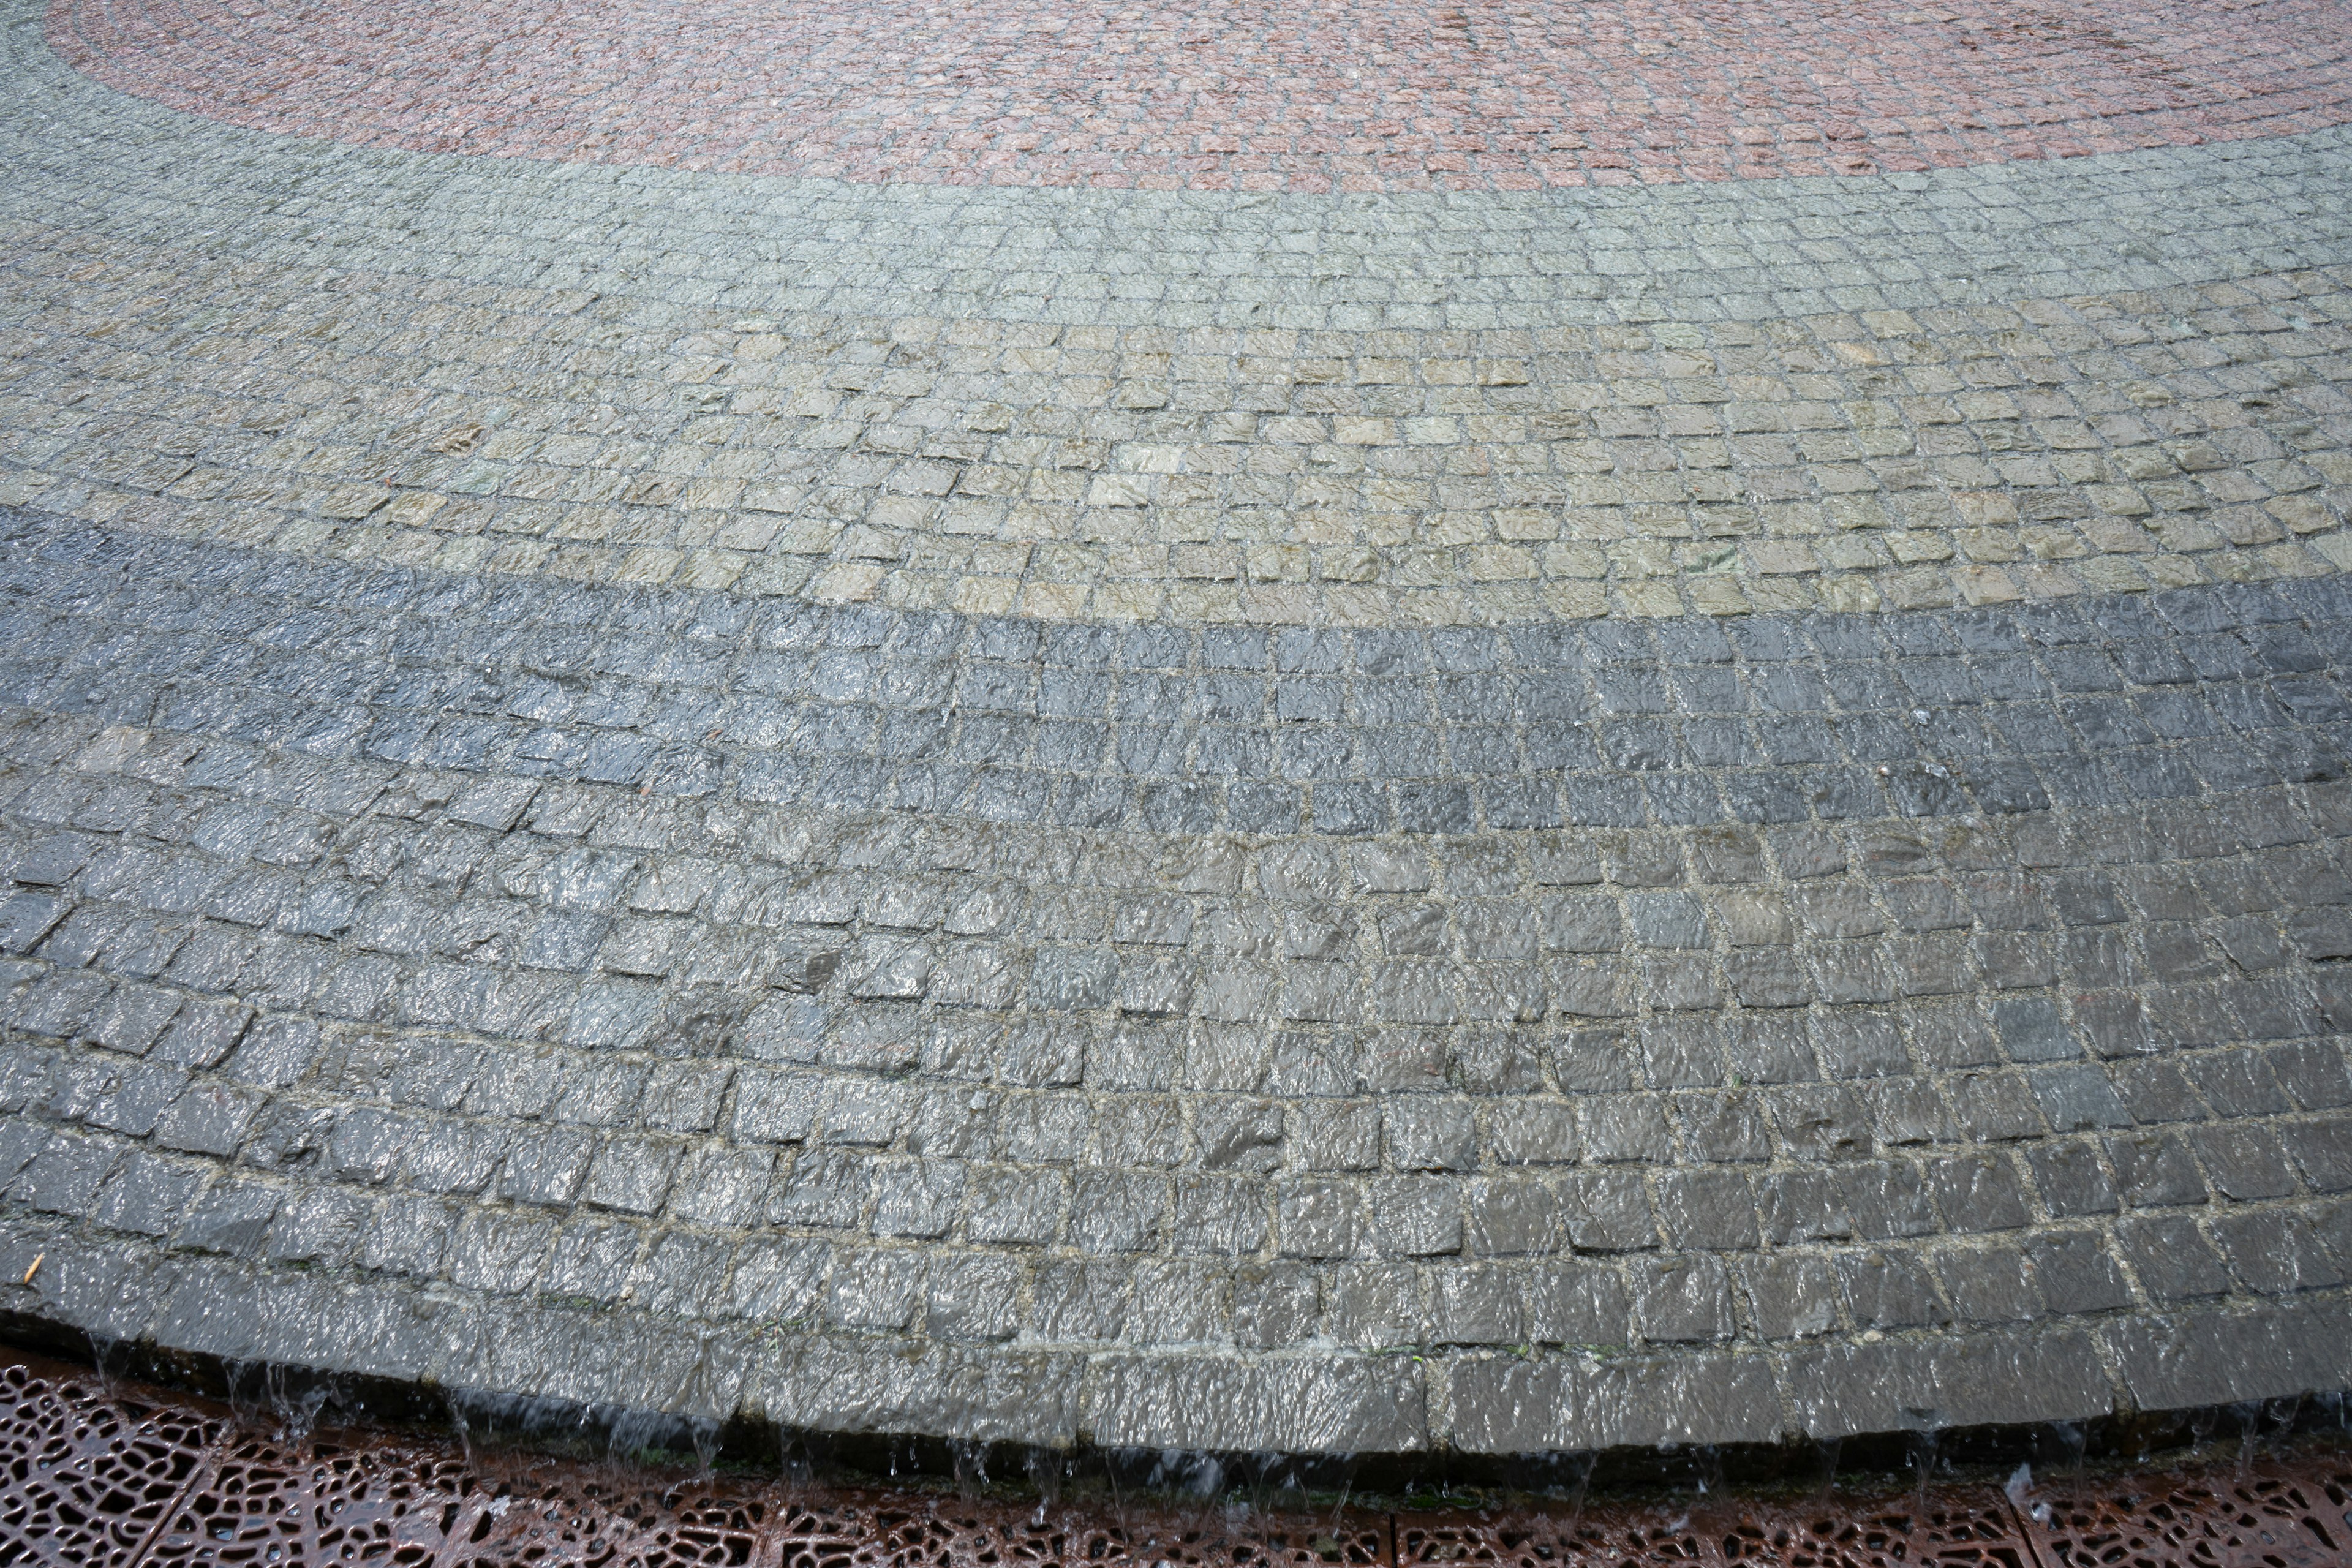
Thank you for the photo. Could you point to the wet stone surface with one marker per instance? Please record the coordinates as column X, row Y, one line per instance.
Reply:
column 881, row 1020
column 1524, row 809
column 1967, row 385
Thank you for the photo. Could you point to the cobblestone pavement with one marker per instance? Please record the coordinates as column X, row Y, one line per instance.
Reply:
column 1226, row 97
column 1974, row 385
column 1297, row 820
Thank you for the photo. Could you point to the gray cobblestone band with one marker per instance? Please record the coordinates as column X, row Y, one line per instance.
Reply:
column 89, row 159
column 573, row 994
column 1761, row 719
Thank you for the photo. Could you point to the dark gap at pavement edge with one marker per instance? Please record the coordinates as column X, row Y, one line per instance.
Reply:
column 307, row 1399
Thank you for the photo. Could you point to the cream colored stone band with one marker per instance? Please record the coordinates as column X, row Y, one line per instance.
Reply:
column 1846, row 462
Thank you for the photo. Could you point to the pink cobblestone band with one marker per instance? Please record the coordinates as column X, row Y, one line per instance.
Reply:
column 1323, row 97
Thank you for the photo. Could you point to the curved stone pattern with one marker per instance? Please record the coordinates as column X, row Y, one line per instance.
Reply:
column 1514, row 819
column 96, row 163
column 1226, row 97
column 1786, row 396
column 887, row 1022
column 1848, row 462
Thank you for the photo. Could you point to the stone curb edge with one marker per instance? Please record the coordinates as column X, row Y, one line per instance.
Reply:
column 1318, row 1404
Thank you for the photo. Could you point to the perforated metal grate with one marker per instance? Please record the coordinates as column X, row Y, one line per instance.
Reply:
column 2278, row 1515
column 102, row 1474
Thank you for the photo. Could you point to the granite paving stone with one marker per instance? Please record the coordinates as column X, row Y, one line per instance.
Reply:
column 1381, row 99
column 1413, row 731
column 1789, row 1076
column 2085, row 375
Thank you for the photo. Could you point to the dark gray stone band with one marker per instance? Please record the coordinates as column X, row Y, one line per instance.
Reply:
column 1761, row 719
column 397, row 976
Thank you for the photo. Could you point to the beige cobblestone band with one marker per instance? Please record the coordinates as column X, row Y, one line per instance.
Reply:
column 1848, row 462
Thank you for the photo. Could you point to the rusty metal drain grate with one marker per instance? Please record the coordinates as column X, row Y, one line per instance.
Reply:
column 107, row 1475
